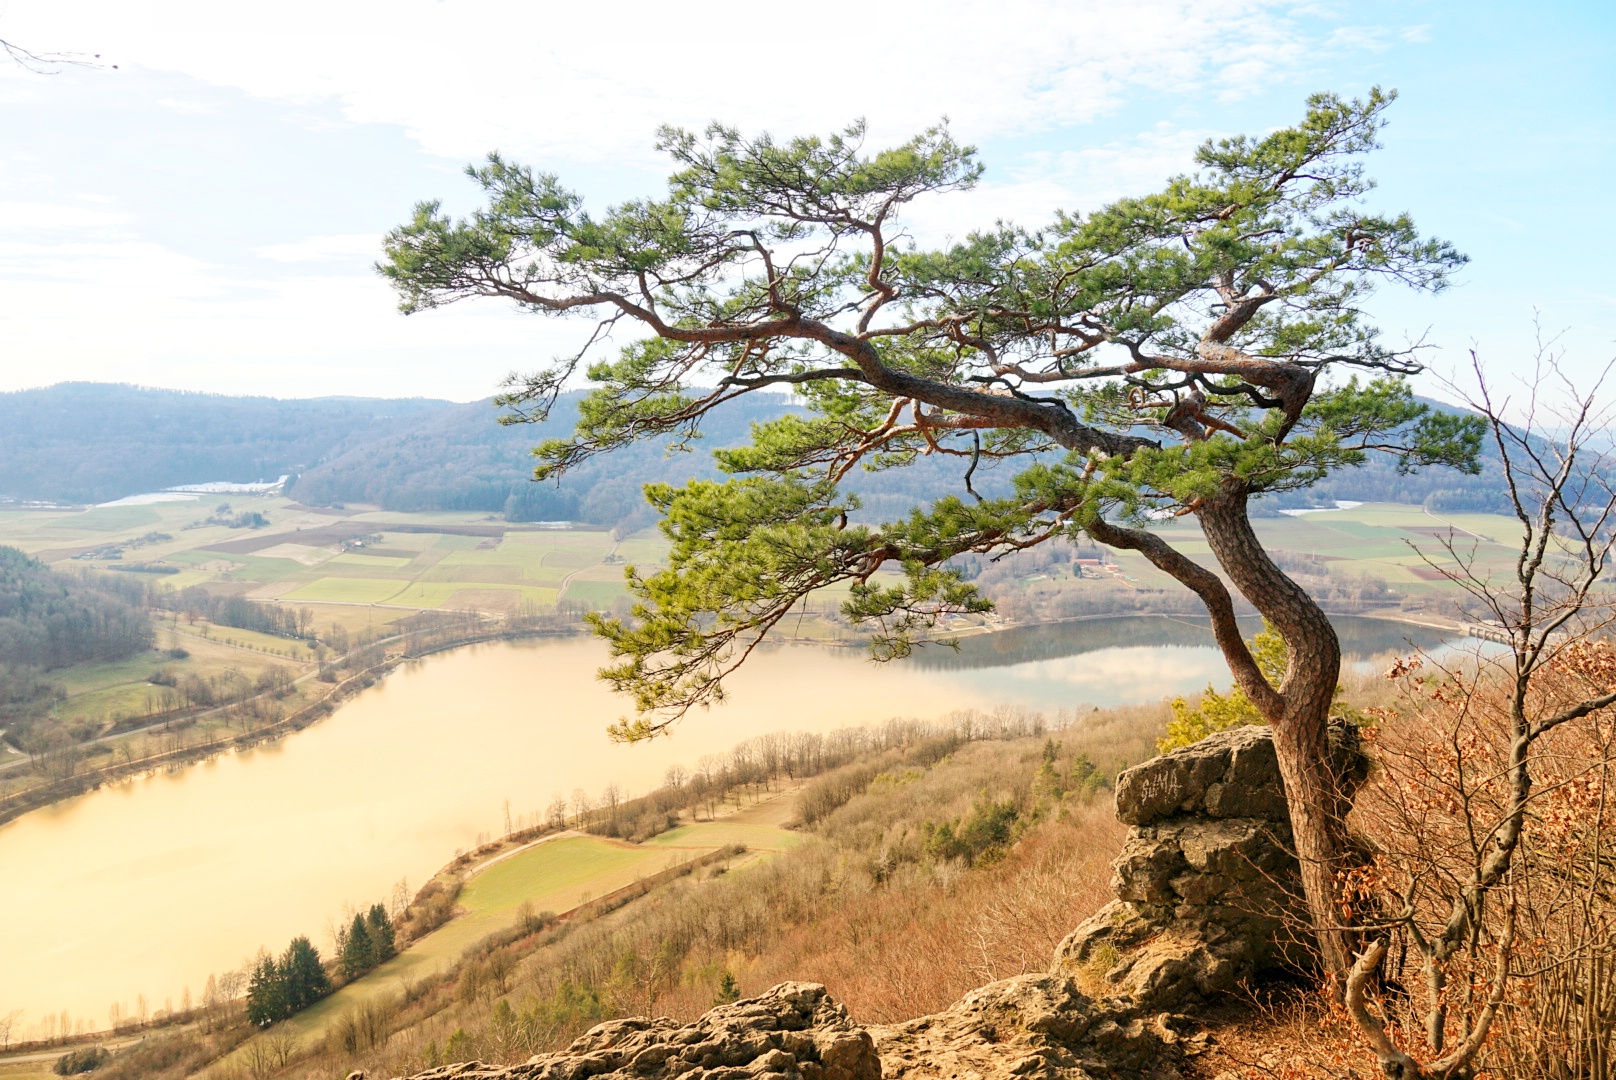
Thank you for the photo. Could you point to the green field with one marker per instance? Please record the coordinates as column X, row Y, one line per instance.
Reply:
column 555, row 875
column 410, row 561
column 363, row 569
column 359, row 570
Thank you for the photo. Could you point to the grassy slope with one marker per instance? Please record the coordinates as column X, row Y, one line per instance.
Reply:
column 555, row 874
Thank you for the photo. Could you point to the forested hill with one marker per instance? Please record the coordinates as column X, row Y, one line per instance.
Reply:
column 49, row 619
column 94, row 442
column 461, row 458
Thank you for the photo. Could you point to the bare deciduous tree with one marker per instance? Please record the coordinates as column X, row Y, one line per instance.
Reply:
column 1490, row 795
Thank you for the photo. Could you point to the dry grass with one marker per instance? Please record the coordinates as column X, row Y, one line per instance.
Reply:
column 917, row 945
column 863, row 905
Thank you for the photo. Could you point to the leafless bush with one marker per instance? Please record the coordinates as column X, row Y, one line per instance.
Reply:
column 363, row 1027
column 1488, row 901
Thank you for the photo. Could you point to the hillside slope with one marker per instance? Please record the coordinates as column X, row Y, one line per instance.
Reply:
column 95, row 442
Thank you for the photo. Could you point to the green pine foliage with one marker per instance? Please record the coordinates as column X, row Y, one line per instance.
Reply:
column 356, row 949
column 380, row 930
column 303, row 977
column 266, row 993
column 367, row 942
column 1186, row 350
column 281, row 988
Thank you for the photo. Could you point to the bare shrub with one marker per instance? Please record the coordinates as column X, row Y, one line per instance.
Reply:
column 362, row 1028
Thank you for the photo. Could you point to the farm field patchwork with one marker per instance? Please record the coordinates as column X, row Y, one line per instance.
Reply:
column 364, row 569
column 358, row 570
column 363, row 557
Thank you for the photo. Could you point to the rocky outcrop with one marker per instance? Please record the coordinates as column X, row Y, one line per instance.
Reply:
column 793, row 1032
column 1207, row 887
column 1036, row 1026
column 1031, row 1026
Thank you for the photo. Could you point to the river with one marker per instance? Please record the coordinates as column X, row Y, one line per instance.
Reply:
column 146, row 887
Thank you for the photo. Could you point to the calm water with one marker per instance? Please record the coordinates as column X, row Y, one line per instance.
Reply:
column 147, row 887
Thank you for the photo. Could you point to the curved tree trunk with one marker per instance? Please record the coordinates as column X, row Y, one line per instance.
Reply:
column 1300, row 716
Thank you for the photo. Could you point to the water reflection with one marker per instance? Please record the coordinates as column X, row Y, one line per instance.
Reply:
column 1360, row 639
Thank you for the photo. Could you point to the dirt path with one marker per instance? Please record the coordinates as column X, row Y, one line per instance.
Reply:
column 562, row 590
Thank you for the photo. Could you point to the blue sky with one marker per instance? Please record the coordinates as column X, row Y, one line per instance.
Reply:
column 204, row 216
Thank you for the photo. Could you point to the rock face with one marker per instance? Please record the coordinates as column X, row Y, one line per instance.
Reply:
column 793, row 1032
column 1030, row 1026
column 1207, row 887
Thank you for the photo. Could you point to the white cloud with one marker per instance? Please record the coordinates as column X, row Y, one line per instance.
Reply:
column 191, row 107
column 1078, row 181
column 553, row 81
column 40, row 215
column 133, row 311
column 346, row 246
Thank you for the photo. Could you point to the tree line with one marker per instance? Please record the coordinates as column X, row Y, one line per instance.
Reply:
column 50, row 619
column 196, row 602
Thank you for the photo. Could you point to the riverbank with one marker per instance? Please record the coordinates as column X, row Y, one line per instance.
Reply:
column 50, row 792
column 45, row 794
column 562, row 876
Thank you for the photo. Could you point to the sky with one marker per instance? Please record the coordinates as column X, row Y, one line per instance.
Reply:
column 206, row 214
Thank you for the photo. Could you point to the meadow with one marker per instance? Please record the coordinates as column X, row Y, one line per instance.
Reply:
column 357, row 571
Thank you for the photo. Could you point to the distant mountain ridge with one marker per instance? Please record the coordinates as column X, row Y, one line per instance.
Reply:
column 96, row 442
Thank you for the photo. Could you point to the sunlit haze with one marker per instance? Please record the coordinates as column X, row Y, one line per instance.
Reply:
column 205, row 215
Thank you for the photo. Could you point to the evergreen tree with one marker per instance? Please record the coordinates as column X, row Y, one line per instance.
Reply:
column 356, row 949
column 1177, row 354
column 380, row 927
column 302, row 976
column 266, row 993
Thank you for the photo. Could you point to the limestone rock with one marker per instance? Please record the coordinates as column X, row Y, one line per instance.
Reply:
column 1231, row 774
column 792, row 1032
column 1031, row 1026
column 1207, row 887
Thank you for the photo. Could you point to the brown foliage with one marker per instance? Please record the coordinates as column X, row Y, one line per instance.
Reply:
column 1434, row 809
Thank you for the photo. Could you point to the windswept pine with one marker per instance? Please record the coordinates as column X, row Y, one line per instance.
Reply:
column 1178, row 353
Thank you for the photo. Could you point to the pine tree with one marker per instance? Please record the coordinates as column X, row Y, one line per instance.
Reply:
column 1168, row 356
column 380, row 927
column 302, row 975
column 356, row 949
column 266, row 993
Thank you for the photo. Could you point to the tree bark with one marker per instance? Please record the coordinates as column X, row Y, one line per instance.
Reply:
column 1300, row 716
